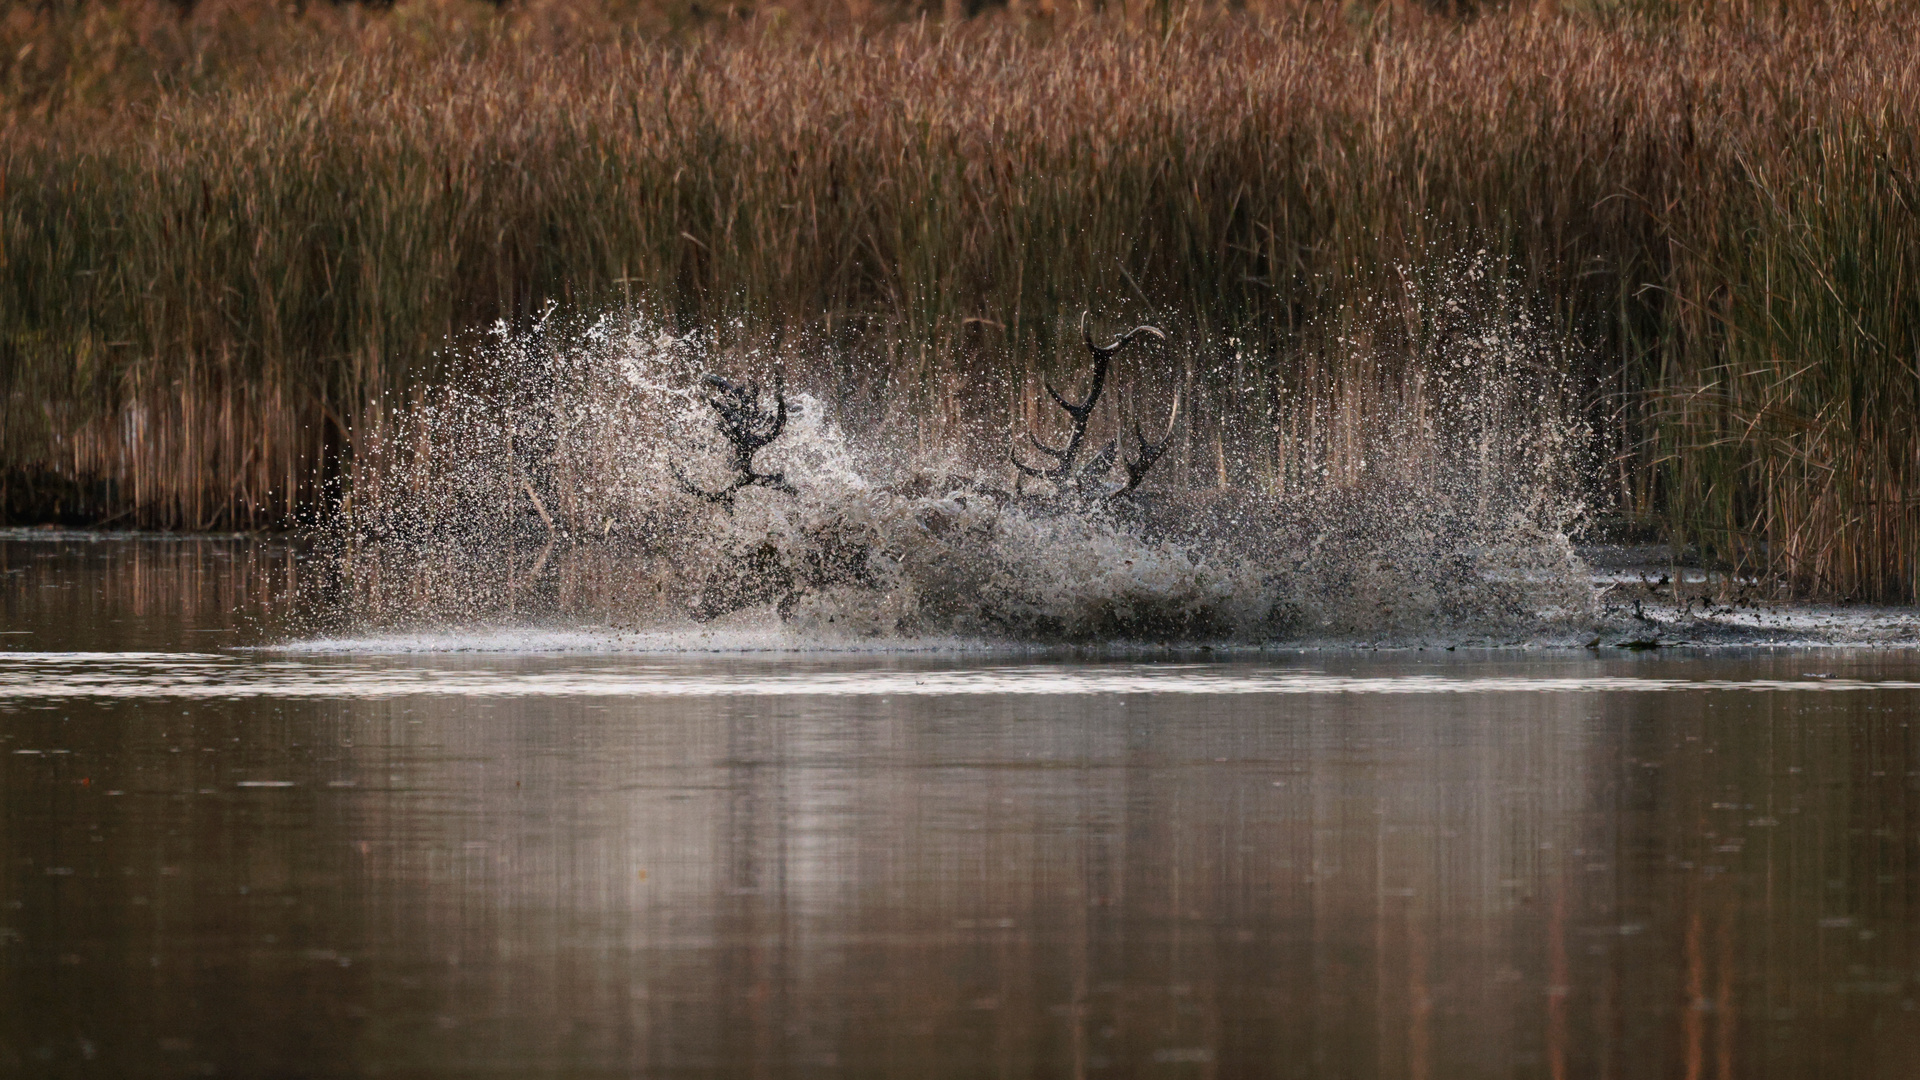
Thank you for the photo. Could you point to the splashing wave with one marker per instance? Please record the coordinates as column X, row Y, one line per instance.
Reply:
column 550, row 484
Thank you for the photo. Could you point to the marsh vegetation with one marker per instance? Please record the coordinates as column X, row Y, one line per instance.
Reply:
column 234, row 244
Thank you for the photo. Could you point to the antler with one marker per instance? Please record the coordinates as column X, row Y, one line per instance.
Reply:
column 748, row 427
column 1149, row 452
column 1062, row 473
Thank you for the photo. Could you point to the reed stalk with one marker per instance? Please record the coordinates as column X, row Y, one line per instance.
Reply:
column 225, row 257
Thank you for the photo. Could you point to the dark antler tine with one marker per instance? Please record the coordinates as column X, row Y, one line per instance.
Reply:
column 1101, row 365
column 747, row 426
column 1081, row 414
column 1102, row 461
column 731, row 412
column 717, row 382
column 751, row 421
column 724, row 495
column 779, row 405
column 1149, row 452
column 686, row 485
column 1137, row 467
column 1044, row 448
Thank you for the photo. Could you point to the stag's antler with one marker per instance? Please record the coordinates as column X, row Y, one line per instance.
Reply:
column 748, row 427
column 1062, row 474
column 1149, row 451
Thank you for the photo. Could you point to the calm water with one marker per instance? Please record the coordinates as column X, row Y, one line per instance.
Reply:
column 220, row 861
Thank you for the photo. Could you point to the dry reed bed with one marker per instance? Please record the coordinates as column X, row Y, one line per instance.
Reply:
column 209, row 307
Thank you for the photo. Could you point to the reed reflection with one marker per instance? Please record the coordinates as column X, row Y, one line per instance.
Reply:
column 1556, row 885
column 101, row 591
column 1698, row 883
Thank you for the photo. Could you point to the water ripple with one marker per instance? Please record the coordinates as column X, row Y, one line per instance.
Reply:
column 55, row 676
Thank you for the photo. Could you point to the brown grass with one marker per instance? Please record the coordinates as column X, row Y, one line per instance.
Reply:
column 220, row 269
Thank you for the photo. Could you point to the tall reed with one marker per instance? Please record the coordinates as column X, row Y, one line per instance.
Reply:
column 214, row 293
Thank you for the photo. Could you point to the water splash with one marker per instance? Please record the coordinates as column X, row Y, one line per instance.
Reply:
column 539, row 487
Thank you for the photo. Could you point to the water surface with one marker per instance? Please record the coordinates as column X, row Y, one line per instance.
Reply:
column 222, row 860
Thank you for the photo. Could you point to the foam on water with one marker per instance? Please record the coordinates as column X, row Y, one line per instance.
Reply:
column 595, row 641
column 1775, row 625
column 43, row 677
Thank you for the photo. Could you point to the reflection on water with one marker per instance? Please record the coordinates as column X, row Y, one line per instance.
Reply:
column 1318, row 865
column 82, row 591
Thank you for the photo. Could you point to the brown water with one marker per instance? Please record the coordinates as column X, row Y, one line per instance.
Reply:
column 220, row 861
